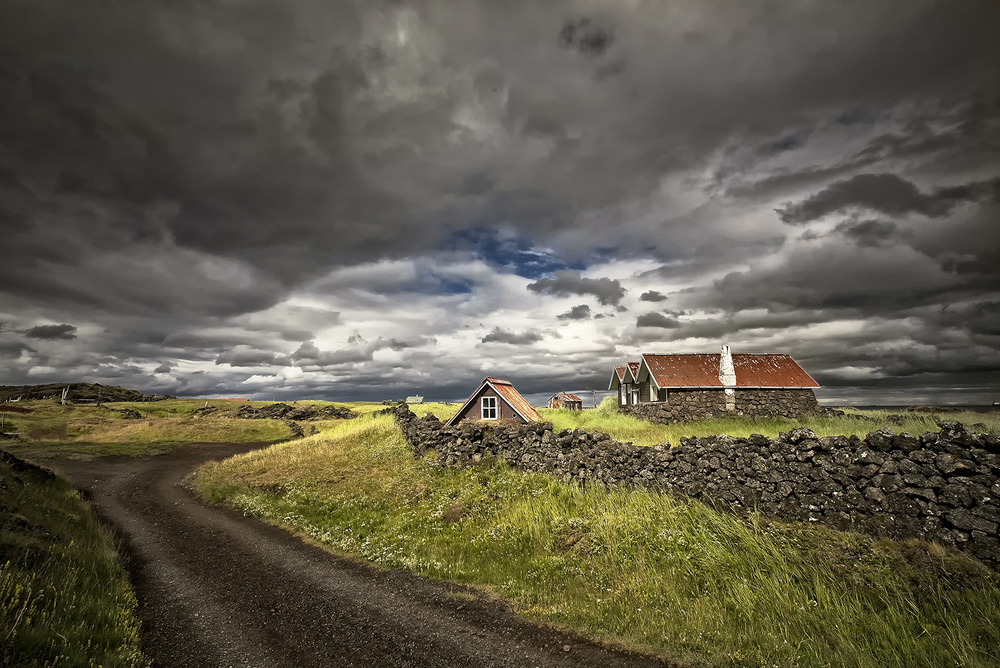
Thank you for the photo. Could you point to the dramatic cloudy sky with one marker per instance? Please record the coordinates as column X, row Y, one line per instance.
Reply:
column 339, row 199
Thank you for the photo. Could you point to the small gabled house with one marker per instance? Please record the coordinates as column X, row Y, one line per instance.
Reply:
column 496, row 399
column 623, row 381
column 566, row 400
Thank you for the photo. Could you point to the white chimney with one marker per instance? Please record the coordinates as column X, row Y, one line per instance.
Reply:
column 727, row 373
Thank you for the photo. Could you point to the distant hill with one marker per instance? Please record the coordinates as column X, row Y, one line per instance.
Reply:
column 77, row 392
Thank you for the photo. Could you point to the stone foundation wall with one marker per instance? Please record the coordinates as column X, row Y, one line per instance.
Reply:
column 684, row 405
column 942, row 486
column 787, row 403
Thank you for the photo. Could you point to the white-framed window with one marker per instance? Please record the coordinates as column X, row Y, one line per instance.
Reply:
column 489, row 405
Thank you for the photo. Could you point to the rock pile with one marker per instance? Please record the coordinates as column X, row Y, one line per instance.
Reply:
column 127, row 413
column 282, row 411
column 942, row 486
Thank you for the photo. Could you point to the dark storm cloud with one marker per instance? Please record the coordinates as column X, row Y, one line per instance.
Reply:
column 247, row 356
column 714, row 326
column 939, row 130
column 652, row 296
column 208, row 341
column 888, row 194
column 660, row 320
column 967, row 128
column 861, row 287
column 358, row 351
column 292, row 160
column 306, row 352
column 785, row 143
column 983, row 318
column 243, row 151
column 13, row 349
column 587, row 35
column 62, row 332
column 163, row 132
column 579, row 312
column 873, row 233
column 569, row 282
column 500, row 335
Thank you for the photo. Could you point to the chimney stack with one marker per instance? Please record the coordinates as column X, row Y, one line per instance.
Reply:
column 727, row 376
column 727, row 373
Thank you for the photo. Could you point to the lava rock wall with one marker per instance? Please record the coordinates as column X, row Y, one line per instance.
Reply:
column 699, row 404
column 942, row 486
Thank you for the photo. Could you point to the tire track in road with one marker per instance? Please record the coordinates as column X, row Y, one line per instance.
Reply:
column 219, row 589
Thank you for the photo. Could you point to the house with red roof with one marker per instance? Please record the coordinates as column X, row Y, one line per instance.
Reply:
column 496, row 399
column 566, row 400
column 703, row 384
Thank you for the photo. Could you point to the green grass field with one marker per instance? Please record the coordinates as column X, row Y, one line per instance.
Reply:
column 52, row 430
column 639, row 568
column 65, row 599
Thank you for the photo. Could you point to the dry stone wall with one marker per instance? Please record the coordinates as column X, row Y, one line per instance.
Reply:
column 698, row 404
column 942, row 486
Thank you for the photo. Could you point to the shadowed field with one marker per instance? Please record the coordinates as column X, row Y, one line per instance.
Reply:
column 65, row 599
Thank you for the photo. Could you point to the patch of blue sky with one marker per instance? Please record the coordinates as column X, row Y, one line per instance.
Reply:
column 452, row 286
column 506, row 249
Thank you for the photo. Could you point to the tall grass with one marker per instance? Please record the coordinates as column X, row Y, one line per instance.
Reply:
column 606, row 418
column 65, row 599
column 637, row 567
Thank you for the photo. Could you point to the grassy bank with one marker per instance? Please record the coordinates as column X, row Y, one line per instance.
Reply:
column 49, row 429
column 644, row 569
column 65, row 598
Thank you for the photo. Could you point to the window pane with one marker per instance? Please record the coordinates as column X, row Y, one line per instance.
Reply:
column 489, row 408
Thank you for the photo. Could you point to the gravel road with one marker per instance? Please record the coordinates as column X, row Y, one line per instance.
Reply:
column 216, row 588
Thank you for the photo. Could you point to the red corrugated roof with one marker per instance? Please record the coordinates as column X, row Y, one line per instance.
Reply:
column 617, row 377
column 774, row 370
column 683, row 370
column 702, row 370
column 566, row 396
column 625, row 373
column 520, row 404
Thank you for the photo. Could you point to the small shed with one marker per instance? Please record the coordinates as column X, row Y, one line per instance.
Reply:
column 496, row 399
column 566, row 400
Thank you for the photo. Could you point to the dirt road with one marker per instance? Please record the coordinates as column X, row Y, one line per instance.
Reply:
column 219, row 589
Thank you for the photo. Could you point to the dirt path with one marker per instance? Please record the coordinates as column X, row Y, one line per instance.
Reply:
column 219, row 589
